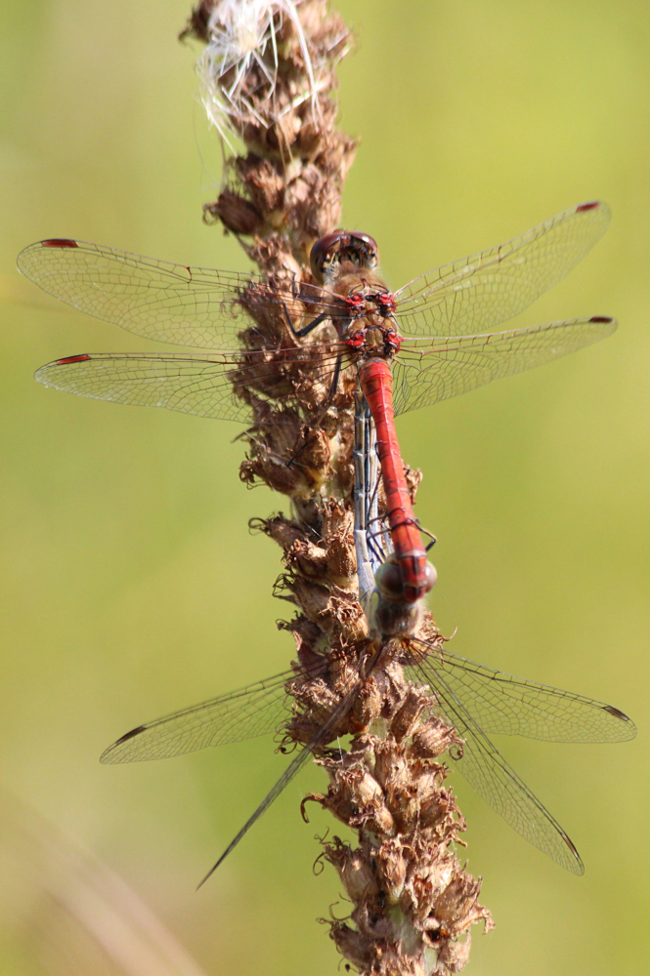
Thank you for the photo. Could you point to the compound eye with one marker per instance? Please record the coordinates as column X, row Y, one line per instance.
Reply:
column 367, row 245
column 432, row 576
column 388, row 579
column 321, row 252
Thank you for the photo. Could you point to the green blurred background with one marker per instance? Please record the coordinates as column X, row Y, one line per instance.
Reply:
column 130, row 583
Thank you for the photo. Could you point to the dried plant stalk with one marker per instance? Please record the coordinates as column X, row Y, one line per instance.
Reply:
column 267, row 75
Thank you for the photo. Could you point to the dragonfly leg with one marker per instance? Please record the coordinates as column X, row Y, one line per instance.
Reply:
column 431, row 536
column 306, row 329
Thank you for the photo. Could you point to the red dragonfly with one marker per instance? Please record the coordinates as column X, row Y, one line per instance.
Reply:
column 406, row 349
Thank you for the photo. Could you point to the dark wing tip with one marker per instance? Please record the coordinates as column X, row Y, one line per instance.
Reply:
column 107, row 755
column 130, row 735
column 622, row 717
column 602, row 318
column 593, row 205
column 58, row 242
column 616, row 712
column 578, row 867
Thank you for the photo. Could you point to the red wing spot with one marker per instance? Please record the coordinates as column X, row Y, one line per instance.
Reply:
column 587, row 206
column 59, row 242
column 131, row 734
column 73, row 359
column 601, row 318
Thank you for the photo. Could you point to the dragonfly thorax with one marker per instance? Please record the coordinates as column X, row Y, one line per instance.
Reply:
column 372, row 339
column 369, row 308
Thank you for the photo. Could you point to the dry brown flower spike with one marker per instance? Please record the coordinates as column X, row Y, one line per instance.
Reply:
column 268, row 82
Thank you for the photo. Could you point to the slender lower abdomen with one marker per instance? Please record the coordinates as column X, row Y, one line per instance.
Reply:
column 414, row 574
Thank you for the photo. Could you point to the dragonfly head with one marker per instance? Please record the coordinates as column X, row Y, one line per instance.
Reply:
column 342, row 252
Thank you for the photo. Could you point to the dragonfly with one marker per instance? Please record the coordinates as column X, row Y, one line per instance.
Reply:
column 332, row 330
column 372, row 548
column 477, row 700
column 376, row 561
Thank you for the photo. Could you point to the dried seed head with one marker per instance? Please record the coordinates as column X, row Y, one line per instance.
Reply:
column 352, row 944
column 407, row 717
column 239, row 69
column 235, row 213
column 283, row 531
column 426, row 879
column 456, row 907
column 439, row 813
column 433, row 738
column 391, row 864
column 267, row 75
column 369, row 703
column 453, row 956
column 390, row 765
column 338, row 530
column 374, row 924
column 354, row 870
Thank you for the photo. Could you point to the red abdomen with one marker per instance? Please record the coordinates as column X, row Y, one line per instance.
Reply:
column 377, row 384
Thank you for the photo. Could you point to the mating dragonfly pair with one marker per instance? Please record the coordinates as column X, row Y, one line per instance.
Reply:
column 423, row 343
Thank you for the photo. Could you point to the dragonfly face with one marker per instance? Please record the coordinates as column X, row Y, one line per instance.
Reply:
column 340, row 252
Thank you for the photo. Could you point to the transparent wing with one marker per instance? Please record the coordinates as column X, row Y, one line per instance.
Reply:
column 239, row 715
column 156, row 299
column 502, row 703
column 322, row 736
column 203, row 386
column 372, row 541
column 489, row 774
column 292, row 770
column 482, row 291
column 429, row 370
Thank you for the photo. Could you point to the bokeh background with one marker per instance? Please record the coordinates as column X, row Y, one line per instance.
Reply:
column 130, row 583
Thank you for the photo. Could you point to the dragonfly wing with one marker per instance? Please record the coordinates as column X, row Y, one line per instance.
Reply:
column 321, row 737
column 429, row 370
column 479, row 292
column 504, row 704
column 159, row 300
column 292, row 770
column 203, row 386
column 239, row 715
column 489, row 774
